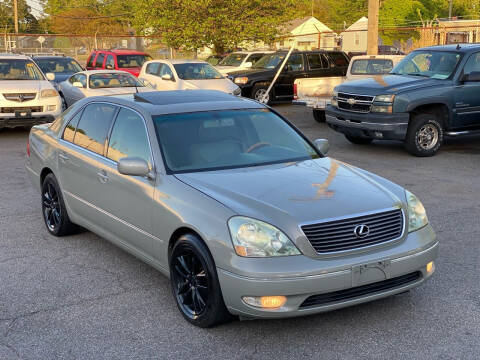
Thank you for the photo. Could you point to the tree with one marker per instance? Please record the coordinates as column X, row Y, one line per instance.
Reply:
column 27, row 23
column 193, row 24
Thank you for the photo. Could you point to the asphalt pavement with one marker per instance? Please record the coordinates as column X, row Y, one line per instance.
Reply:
column 81, row 297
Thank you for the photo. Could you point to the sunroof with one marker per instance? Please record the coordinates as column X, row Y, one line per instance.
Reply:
column 182, row 97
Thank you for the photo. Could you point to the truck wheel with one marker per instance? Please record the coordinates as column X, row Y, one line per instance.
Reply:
column 359, row 140
column 53, row 208
column 424, row 135
column 258, row 93
column 319, row 115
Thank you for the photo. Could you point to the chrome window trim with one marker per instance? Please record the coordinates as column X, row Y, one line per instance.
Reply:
column 360, row 249
column 109, row 131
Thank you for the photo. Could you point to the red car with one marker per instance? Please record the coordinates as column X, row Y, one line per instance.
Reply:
column 117, row 59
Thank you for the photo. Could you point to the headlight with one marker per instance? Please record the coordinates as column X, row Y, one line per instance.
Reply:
column 384, row 98
column 382, row 108
column 237, row 91
column 335, row 94
column 254, row 238
column 48, row 93
column 334, row 102
column 417, row 216
column 241, row 80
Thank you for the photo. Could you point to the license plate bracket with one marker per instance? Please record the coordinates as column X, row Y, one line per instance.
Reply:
column 23, row 113
column 371, row 272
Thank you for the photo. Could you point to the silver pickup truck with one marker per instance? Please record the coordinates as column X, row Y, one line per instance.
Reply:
column 317, row 92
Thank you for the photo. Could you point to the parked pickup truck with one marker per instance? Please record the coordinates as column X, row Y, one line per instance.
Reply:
column 430, row 94
column 255, row 81
column 317, row 92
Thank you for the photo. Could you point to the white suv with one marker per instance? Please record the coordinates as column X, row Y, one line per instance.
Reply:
column 26, row 96
column 240, row 60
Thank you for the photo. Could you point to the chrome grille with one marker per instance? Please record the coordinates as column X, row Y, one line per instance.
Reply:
column 20, row 97
column 355, row 103
column 11, row 110
column 339, row 235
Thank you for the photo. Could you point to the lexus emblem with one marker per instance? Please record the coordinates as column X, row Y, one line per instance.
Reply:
column 361, row 231
column 351, row 101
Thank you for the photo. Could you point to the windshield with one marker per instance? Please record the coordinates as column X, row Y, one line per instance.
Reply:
column 225, row 139
column 270, row 61
column 113, row 80
column 234, row 59
column 371, row 66
column 59, row 65
column 19, row 69
column 132, row 61
column 197, row 71
column 431, row 64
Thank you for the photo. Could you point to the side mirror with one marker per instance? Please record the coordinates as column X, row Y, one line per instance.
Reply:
column 109, row 67
column 322, row 146
column 133, row 166
column 78, row 84
column 50, row 76
column 167, row 77
column 248, row 64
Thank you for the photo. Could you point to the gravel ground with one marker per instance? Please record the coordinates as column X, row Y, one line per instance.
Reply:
column 82, row 298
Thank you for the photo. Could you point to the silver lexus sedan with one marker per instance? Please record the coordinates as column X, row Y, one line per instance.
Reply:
column 235, row 205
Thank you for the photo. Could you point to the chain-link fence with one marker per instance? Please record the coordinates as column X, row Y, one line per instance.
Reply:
column 403, row 39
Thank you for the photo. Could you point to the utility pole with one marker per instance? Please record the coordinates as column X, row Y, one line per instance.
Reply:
column 450, row 10
column 15, row 13
column 372, row 35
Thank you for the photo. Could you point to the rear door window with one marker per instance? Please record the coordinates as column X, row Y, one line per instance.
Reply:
column 93, row 127
column 295, row 63
column 99, row 60
column 129, row 137
column 317, row 61
column 339, row 59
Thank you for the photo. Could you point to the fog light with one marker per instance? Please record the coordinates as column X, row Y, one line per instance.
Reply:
column 378, row 134
column 266, row 302
column 51, row 107
column 430, row 267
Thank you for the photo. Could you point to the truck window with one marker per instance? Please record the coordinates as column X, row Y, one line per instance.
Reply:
column 317, row 61
column 371, row 66
column 338, row 58
column 295, row 63
column 472, row 65
column 90, row 60
column 99, row 61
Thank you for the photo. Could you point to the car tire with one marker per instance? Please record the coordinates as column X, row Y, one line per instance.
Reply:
column 195, row 284
column 319, row 115
column 258, row 91
column 424, row 135
column 359, row 140
column 54, row 211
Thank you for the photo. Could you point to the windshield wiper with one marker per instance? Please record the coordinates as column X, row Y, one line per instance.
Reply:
column 417, row 74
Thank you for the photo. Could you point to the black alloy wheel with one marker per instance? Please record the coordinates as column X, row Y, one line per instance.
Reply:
column 195, row 284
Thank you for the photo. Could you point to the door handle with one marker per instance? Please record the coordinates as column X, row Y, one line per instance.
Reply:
column 63, row 157
column 102, row 176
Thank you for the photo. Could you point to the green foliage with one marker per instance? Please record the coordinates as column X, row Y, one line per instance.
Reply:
column 27, row 23
column 193, row 24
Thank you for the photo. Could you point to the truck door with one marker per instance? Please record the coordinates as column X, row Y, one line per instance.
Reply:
column 294, row 68
column 467, row 101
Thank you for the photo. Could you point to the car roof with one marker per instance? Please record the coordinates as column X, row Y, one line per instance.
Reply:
column 179, row 61
column 15, row 56
column 121, row 51
column 376, row 57
column 462, row 48
column 180, row 101
column 92, row 72
column 51, row 57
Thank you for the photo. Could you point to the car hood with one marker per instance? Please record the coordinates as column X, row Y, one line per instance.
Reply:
column 303, row 191
column 24, row 86
column 386, row 84
column 224, row 85
column 251, row 72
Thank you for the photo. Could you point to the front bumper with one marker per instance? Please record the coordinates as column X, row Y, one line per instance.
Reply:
column 370, row 125
column 327, row 276
column 29, row 113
